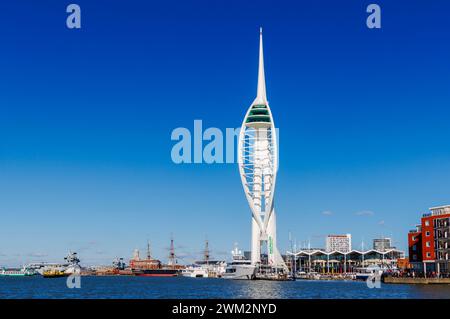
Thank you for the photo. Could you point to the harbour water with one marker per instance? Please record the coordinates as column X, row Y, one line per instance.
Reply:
column 93, row 287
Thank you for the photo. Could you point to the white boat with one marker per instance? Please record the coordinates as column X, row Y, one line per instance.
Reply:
column 370, row 271
column 70, row 266
column 17, row 272
column 240, row 267
column 195, row 272
column 73, row 269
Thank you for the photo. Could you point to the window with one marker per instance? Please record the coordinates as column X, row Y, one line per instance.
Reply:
column 428, row 244
column 427, row 223
column 414, row 247
column 413, row 238
column 427, row 233
column 428, row 254
column 414, row 257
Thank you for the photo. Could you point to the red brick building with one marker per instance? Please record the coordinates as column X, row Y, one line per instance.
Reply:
column 429, row 243
column 415, row 245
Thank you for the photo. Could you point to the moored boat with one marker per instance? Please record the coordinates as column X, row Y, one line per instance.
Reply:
column 369, row 272
column 195, row 271
column 156, row 272
column 14, row 272
column 240, row 267
column 69, row 268
column 150, row 267
column 54, row 273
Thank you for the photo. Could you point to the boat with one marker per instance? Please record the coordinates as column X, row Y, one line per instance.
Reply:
column 308, row 276
column 69, row 268
column 206, row 268
column 240, row 267
column 151, row 267
column 73, row 266
column 273, row 276
column 55, row 273
column 156, row 272
column 40, row 267
column 15, row 272
column 195, row 271
column 369, row 272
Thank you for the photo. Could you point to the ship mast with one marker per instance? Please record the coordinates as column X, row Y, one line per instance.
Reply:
column 149, row 256
column 206, row 253
column 171, row 253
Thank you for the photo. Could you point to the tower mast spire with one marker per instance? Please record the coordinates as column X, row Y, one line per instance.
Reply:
column 258, row 165
column 261, row 97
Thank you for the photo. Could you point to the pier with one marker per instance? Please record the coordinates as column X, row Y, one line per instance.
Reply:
column 416, row 281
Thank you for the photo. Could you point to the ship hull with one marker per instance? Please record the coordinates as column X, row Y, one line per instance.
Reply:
column 19, row 273
column 156, row 273
column 55, row 275
column 240, row 272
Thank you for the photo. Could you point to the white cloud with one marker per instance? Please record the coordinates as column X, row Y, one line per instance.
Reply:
column 365, row 213
column 327, row 213
column 222, row 253
column 37, row 254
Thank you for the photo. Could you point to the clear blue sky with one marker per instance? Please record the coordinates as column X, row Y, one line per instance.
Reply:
column 86, row 117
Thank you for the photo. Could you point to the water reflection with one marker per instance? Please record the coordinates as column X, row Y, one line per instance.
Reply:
column 259, row 289
column 431, row 291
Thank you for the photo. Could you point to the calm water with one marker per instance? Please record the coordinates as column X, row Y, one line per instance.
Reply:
column 144, row 287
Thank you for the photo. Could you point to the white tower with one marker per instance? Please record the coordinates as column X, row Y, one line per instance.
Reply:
column 258, row 165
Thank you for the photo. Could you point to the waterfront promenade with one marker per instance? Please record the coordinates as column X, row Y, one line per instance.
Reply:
column 416, row 281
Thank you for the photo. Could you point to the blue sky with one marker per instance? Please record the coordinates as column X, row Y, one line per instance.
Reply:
column 86, row 117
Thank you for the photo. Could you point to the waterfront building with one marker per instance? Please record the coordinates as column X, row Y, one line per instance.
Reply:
column 382, row 244
column 258, row 166
column 429, row 243
column 335, row 262
column 342, row 243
